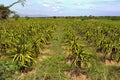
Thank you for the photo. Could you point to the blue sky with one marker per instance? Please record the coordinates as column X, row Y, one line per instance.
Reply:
column 67, row 7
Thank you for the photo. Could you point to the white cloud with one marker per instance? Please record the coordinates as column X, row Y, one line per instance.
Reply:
column 52, row 6
column 98, row 4
column 58, row 2
column 47, row 4
column 56, row 8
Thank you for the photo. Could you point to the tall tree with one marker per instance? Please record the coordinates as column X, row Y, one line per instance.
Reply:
column 5, row 10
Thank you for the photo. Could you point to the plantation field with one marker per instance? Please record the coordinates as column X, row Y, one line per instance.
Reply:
column 59, row 49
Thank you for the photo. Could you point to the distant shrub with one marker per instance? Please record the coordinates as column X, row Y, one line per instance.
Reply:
column 27, row 18
column 16, row 16
column 54, row 17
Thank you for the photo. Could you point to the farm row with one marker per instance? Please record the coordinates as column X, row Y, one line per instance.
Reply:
column 22, row 43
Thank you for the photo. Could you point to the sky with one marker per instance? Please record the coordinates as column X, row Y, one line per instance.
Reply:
column 66, row 7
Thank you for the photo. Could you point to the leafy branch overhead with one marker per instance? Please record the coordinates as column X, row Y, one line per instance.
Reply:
column 5, row 10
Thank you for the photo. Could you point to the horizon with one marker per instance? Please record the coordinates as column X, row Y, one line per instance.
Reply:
column 48, row 8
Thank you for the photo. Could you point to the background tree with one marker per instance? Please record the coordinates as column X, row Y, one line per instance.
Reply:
column 5, row 10
column 27, row 17
column 16, row 16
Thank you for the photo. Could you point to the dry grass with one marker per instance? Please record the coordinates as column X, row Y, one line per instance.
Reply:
column 112, row 63
column 75, row 75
